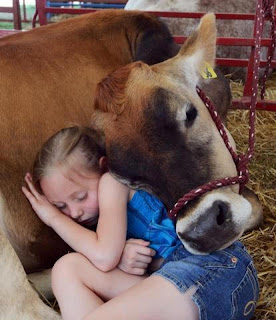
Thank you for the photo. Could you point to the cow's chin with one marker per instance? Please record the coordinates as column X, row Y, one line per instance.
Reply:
column 216, row 222
column 195, row 248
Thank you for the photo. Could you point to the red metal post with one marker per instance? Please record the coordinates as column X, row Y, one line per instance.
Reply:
column 249, row 78
column 41, row 10
column 16, row 15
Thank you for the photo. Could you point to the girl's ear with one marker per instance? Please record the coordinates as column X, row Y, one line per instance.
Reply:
column 103, row 164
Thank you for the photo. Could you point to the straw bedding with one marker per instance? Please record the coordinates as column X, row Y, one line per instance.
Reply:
column 261, row 243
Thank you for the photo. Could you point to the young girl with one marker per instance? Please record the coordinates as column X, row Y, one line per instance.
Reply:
column 77, row 192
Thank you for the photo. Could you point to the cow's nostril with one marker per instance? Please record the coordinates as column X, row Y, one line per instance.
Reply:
column 222, row 215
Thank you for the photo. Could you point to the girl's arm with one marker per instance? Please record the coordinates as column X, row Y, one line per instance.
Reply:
column 103, row 247
column 112, row 224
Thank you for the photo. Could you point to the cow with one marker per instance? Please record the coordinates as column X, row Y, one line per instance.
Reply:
column 225, row 28
column 49, row 79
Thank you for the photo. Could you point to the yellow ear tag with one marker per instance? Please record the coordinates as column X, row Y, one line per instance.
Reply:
column 208, row 72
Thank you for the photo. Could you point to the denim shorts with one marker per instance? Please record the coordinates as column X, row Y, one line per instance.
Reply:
column 226, row 281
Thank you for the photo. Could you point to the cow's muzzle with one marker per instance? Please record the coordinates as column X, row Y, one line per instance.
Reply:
column 214, row 225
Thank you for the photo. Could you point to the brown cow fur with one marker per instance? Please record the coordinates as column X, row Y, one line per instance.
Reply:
column 47, row 81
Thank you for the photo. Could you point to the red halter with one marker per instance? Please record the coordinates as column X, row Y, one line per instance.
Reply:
column 264, row 9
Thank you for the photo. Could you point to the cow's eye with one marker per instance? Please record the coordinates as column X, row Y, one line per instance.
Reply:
column 191, row 114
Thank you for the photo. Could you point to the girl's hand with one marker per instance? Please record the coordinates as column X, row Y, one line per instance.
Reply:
column 136, row 257
column 43, row 208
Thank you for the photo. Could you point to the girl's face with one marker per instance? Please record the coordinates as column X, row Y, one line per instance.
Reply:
column 75, row 195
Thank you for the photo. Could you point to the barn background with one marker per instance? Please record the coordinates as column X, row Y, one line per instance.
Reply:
column 27, row 10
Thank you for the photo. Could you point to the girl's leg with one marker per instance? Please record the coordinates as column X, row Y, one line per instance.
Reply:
column 80, row 287
column 155, row 298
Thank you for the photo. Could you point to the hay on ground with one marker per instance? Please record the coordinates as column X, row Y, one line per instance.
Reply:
column 261, row 243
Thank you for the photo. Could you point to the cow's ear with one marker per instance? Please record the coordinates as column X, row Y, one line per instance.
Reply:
column 110, row 92
column 200, row 48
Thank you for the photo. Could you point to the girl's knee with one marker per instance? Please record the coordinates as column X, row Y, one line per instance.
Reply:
column 66, row 269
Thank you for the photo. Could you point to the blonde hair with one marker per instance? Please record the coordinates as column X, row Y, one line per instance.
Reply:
column 68, row 148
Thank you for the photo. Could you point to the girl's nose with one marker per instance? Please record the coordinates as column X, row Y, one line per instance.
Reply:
column 76, row 213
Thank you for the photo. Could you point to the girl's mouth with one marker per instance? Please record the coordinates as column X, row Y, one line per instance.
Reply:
column 90, row 222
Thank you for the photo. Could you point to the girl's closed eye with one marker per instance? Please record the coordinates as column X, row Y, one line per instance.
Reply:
column 81, row 196
column 60, row 206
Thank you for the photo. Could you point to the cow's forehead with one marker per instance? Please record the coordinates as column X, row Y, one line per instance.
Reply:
column 144, row 83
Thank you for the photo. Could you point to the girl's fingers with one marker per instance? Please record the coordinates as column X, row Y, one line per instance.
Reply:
column 146, row 251
column 143, row 259
column 138, row 271
column 28, row 194
column 140, row 242
column 31, row 187
column 29, row 176
column 140, row 265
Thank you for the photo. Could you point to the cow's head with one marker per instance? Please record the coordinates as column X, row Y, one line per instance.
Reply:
column 160, row 137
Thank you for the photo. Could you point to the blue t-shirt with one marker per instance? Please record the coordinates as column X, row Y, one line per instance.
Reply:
column 147, row 219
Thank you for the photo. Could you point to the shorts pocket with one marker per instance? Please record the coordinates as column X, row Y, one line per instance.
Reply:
column 245, row 296
column 219, row 259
